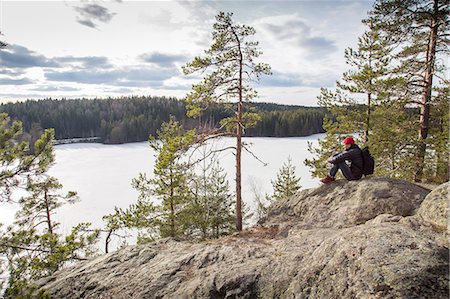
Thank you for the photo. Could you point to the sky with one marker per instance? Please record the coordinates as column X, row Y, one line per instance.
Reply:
column 101, row 49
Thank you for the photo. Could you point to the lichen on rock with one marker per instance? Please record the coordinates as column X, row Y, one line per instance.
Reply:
column 435, row 208
column 361, row 239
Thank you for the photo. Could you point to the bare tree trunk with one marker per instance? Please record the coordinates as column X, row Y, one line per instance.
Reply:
column 366, row 132
column 426, row 97
column 369, row 103
column 238, row 166
column 172, row 208
column 239, row 148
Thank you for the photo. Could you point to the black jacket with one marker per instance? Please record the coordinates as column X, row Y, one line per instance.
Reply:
column 354, row 156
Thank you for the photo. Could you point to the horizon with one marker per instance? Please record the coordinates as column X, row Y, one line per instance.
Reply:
column 99, row 49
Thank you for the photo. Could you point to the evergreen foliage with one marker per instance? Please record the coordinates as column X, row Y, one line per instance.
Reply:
column 437, row 167
column 368, row 80
column 230, row 61
column 132, row 119
column 388, row 69
column 211, row 210
column 178, row 202
column 113, row 224
column 32, row 246
column 169, row 186
column 286, row 183
column 419, row 29
column 17, row 164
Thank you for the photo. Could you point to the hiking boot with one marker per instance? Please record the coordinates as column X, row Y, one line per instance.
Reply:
column 327, row 179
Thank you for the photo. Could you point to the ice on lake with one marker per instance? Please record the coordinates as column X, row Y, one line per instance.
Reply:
column 102, row 174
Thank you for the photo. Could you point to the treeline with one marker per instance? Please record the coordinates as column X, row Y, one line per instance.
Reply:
column 133, row 119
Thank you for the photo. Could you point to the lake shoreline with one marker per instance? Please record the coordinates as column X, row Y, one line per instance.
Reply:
column 88, row 140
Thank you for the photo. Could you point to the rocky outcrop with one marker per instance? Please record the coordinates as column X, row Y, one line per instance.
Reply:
column 345, row 204
column 359, row 239
column 434, row 209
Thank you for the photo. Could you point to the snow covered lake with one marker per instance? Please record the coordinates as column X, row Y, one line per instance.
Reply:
column 102, row 174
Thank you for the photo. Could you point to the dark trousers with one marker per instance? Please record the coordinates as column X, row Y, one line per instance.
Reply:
column 345, row 171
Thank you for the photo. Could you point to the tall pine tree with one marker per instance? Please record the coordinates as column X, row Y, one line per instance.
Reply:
column 231, row 59
column 420, row 29
column 352, row 106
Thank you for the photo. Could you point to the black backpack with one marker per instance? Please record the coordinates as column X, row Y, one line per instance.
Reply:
column 368, row 161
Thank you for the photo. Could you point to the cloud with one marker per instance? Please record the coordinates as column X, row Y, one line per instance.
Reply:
column 12, row 72
column 318, row 46
column 289, row 29
column 87, row 62
column 9, row 81
column 297, row 32
column 127, row 76
column 278, row 79
column 88, row 69
column 163, row 60
column 55, row 88
column 15, row 56
column 121, row 90
column 87, row 23
column 81, row 76
column 93, row 12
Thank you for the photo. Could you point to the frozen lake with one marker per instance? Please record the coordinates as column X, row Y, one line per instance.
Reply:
column 102, row 174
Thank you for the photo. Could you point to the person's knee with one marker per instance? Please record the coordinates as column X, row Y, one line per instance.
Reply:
column 341, row 165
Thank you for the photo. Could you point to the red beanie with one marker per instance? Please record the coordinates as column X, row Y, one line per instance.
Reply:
column 349, row 140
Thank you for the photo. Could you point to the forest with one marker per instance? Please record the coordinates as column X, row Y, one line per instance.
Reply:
column 133, row 119
column 393, row 99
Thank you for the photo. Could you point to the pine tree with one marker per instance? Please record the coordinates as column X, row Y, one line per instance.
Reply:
column 420, row 29
column 231, row 58
column 211, row 209
column 371, row 67
column 287, row 183
column 382, row 116
column 169, row 186
column 17, row 165
column 367, row 77
column 437, row 168
column 393, row 140
column 113, row 224
column 33, row 246
column 16, row 161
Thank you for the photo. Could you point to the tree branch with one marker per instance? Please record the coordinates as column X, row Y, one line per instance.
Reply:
column 244, row 145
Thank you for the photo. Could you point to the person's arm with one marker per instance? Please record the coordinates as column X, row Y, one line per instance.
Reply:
column 332, row 157
column 339, row 157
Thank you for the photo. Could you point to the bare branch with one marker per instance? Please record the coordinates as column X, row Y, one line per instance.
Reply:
column 244, row 146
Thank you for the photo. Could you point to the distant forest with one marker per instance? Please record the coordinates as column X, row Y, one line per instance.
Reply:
column 133, row 119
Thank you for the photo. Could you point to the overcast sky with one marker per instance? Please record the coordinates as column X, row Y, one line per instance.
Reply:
column 114, row 48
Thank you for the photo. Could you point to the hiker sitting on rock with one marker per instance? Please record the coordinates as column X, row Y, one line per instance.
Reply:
column 351, row 171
